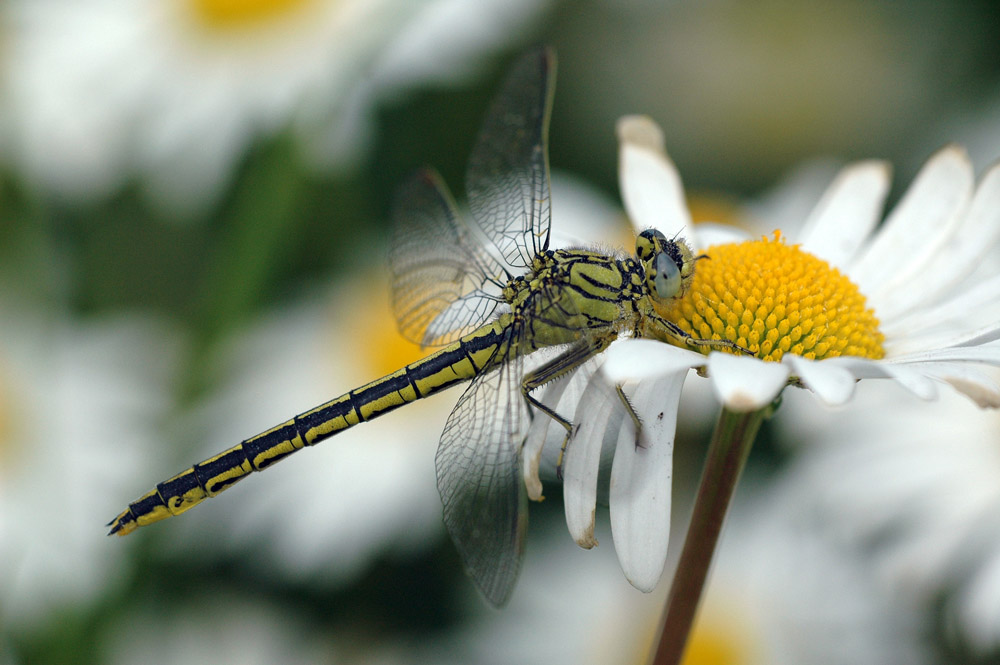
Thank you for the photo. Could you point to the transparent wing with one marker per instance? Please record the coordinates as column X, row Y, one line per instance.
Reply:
column 479, row 478
column 508, row 174
column 444, row 284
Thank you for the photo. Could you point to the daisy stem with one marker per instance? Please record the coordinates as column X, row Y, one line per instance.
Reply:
column 727, row 455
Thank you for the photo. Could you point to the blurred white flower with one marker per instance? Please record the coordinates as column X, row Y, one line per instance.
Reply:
column 171, row 93
column 782, row 592
column 916, row 492
column 80, row 405
column 230, row 630
column 571, row 607
column 912, row 302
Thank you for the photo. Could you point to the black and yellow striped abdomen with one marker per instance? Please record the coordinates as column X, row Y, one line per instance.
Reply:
column 460, row 361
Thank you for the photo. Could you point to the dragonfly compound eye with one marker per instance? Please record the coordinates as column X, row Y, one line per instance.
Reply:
column 665, row 278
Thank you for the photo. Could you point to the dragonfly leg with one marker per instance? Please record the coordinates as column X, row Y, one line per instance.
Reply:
column 636, row 421
column 560, row 366
column 680, row 334
column 562, row 421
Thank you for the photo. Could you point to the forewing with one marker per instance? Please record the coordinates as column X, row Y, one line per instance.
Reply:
column 508, row 175
column 479, row 478
column 444, row 284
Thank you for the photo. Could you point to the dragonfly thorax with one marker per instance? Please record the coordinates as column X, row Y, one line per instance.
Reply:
column 572, row 293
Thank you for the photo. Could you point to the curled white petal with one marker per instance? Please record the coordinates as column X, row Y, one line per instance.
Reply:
column 639, row 495
column 832, row 384
column 910, row 378
column 638, row 359
column 582, row 461
column 538, row 433
column 847, row 213
column 971, row 382
column 746, row 384
column 650, row 184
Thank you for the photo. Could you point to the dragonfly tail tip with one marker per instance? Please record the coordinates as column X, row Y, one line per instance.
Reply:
column 121, row 525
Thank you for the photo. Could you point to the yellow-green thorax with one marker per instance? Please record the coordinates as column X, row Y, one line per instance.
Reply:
column 572, row 293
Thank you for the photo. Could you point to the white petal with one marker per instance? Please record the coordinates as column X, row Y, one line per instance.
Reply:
column 987, row 353
column 650, row 184
column 910, row 378
column 984, row 335
column 944, row 339
column 792, row 199
column 960, row 256
column 980, row 303
column 974, row 384
column 638, row 359
column 538, row 432
column 641, row 480
column 847, row 213
column 916, row 228
column 746, row 384
column 582, row 460
column 710, row 234
column 834, row 385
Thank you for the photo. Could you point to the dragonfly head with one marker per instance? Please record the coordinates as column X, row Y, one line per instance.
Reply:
column 668, row 264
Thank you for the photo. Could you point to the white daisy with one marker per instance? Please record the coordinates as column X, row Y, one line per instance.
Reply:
column 77, row 405
column 912, row 301
column 171, row 93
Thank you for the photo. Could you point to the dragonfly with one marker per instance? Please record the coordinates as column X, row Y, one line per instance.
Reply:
column 489, row 294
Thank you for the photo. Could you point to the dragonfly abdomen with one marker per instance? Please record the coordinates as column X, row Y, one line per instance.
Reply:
column 460, row 361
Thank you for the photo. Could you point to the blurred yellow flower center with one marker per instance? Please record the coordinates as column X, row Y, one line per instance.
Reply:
column 6, row 423
column 385, row 349
column 773, row 299
column 721, row 636
column 239, row 13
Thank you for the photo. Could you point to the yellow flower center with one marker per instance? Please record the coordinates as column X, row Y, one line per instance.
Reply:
column 239, row 13
column 773, row 299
